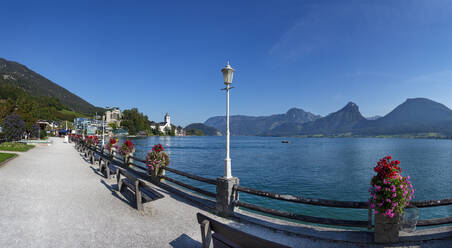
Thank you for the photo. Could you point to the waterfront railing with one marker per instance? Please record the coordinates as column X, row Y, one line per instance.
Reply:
column 139, row 167
column 232, row 196
column 177, row 182
column 303, row 200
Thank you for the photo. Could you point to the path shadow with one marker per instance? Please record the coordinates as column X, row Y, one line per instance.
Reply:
column 96, row 171
column 114, row 191
column 86, row 160
column 184, row 241
column 186, row 197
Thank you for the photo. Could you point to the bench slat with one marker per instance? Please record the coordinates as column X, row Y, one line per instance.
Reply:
column 238, row 237
column 221, row 242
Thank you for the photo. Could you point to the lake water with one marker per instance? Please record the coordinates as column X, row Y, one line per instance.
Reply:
column 336, row 168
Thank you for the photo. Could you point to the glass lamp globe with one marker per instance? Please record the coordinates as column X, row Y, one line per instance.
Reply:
column 228, row 74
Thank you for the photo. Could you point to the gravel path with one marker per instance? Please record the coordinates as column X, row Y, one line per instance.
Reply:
column 51, row 197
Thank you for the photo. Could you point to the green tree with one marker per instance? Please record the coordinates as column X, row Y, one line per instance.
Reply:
column 134, row 121
column 113, row 125
column 171, row 131
column 13, row 127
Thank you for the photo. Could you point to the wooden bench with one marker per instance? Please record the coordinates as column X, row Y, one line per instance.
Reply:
column 107, row 168
column 225, row 236
column 143, row 192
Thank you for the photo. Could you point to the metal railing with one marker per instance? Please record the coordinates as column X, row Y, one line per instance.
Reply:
column 142, row 169
column 303, row 200
column 281, row 197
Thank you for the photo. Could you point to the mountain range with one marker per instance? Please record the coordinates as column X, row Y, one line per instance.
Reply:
column 19, row 75
column 199, row 129
column 250, row 125
column 416, row 117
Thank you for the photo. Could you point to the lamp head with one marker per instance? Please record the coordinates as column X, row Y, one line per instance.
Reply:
column 228, row 74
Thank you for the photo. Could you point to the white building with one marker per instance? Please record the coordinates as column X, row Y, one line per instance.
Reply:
column 113, row 115
column 163, row 126
column 166, row 125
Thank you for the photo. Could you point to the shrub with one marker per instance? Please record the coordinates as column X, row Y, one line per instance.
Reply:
column 13, row 127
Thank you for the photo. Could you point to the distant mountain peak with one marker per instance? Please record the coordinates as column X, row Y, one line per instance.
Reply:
column 418, row 99
column 351, row 105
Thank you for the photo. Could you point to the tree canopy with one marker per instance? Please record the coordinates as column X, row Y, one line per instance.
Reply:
column 13, row 127
column 32, row 108
column 135, row 122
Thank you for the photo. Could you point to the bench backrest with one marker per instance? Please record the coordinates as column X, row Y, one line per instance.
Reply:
column 127, row 174
column 236, row 237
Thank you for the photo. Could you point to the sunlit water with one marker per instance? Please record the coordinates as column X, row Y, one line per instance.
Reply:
column 337, row 168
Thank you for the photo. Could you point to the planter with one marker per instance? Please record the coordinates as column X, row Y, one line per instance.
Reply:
column 386, row 228
column 156, row 175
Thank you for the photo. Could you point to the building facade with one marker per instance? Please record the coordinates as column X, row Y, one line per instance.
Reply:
column 113, row 115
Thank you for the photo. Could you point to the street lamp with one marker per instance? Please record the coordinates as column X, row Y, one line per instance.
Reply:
column 103, row 131
column 228, row 73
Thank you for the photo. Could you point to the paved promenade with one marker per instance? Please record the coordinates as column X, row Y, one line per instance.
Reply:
column 51, row 197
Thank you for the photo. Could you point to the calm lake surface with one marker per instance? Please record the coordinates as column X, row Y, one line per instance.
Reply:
column 336, row 168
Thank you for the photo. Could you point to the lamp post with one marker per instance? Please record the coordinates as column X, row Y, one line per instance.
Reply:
column 225, row 197
column 228, row 73
column 103, row 131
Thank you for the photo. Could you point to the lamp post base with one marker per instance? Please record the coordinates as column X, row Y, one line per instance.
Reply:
column 225, row 196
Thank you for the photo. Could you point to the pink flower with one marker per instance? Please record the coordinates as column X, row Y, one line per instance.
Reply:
column 394, row 195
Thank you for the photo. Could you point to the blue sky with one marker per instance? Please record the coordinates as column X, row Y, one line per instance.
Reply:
column 166, row 56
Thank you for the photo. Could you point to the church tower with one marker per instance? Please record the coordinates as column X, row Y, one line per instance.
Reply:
column 167, row 119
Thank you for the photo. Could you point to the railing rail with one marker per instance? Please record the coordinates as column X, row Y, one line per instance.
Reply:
column 197, row 178
column 431, row 203
column 304, row 218
column 196, row 189
column 304, row 200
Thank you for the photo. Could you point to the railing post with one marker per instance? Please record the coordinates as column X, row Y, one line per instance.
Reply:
column 128, row 159
column 92, row 156
column 386, row 229
column 113, row 153
column 225, row 196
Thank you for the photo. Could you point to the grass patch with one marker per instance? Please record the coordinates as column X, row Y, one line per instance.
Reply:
column 15, row 147
column 5, row 156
